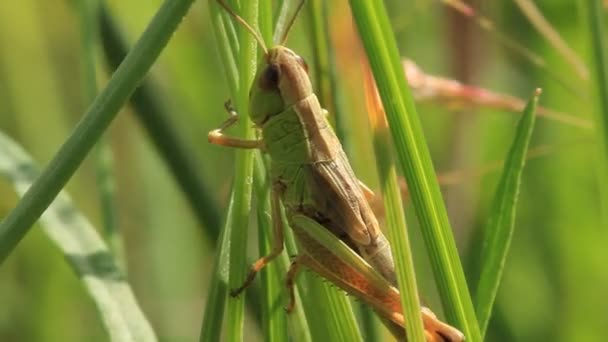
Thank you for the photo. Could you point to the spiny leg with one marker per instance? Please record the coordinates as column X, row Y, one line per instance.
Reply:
column 277, row 242
column 217, row 136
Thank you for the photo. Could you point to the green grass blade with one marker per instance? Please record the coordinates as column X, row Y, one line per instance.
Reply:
column 223, row 30
column 211, row 329
column 274, row 320
column 319, row 38
column 151, row 112
column 371, row 328
column 266, row 21
column 93, row 124
column 325, row 70
column 395, row 220
column 301, row 320
column 599, row 67
column 286, row 11
column 274, row 324
column 334, row 310
column 88, row 255
column 501, row 223
column 241, row 192
column 380, row 46
column 595, row 11
column 104, row 158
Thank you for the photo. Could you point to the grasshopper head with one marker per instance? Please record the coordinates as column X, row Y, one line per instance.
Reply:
column 281, row 80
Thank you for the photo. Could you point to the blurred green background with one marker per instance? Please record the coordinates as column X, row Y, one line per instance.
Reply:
column 555, row 281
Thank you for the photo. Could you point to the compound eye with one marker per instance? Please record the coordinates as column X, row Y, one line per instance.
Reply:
column 270, row 77
column 302, row 63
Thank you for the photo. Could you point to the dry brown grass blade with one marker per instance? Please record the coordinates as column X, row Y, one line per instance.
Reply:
column 457, row 95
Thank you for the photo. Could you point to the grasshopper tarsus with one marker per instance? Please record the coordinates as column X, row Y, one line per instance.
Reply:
column 250, row 277
column 439, row 331
column 218, row 137
column 290, row 281
column 230, row 108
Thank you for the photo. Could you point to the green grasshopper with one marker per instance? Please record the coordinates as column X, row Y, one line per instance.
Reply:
column 312, row 178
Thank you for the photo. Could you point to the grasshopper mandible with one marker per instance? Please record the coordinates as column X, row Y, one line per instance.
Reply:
column 312, row 177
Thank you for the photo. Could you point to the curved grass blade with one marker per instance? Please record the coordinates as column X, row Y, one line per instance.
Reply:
column 374, row 28
column 501, row 223
column 88, row 255
column 94, row 122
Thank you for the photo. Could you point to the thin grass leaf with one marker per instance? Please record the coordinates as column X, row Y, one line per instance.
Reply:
column 176, row 152
column 319, row 38
column 266, row 21
column 501, row 223
column 395, row 216
column 370, row 324
column 104, row 158
column 92, row 125
column 379, row 42
column 286, row 12
column 333, row 310
column 595, row 18
column 297, row 319
column 274, row 323
column 324, row 62
column 211, row 329
column 243, row 176
column 84, row 249
column 301, row 321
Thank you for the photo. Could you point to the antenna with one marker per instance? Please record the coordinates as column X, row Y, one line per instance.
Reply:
column 293, row 19
column 242, row 21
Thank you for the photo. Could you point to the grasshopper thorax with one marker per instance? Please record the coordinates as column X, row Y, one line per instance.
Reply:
column 281, row 81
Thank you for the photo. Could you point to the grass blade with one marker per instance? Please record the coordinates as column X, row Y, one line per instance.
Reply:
column 165, row 136
column 274, row 324
column 92, row 125
column 104, row 158
column 395, row 216
column 595, row 17
column 380, row 46
column 334, row 310
column 88, row 255
column 211, row 329
column 240, row 82
column 501, row 223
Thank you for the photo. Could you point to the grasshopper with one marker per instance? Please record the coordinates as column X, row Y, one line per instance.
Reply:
column 312, row 177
